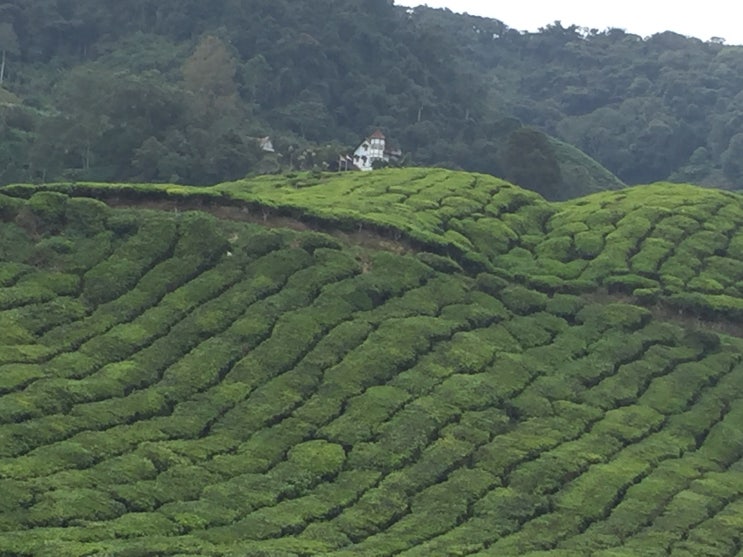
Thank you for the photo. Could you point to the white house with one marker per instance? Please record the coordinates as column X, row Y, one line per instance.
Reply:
column 371, row 149
column 266, row 144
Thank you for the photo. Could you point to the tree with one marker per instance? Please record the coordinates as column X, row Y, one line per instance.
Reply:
column 83, row 96
column 102, row 119
column 215, row 141
column 732, row 160
column 8, row 45
column 209, row 73
column 153, row 162
column 530, row 162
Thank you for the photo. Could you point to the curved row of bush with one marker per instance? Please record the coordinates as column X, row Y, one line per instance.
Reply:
column 253, row 391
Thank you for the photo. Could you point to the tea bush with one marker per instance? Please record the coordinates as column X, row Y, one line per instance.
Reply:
column 458, row 372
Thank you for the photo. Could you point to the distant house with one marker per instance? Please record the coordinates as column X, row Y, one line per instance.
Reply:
column 371, row 150
column 266, row 145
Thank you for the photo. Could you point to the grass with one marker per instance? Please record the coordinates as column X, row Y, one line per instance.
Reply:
column 412, row 362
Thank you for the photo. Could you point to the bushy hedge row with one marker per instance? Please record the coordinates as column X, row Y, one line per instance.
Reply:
column 295, row 397
column 108, row 280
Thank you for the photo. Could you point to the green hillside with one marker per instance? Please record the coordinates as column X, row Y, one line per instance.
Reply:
column 407, row 362
column 580, row 173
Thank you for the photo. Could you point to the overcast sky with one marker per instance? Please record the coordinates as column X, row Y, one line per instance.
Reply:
column 705, row 19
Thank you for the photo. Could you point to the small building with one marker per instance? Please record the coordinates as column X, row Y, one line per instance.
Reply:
column 266, row 144
column 372, row 149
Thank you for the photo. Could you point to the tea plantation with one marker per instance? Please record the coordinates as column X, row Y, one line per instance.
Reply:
column 410, row 362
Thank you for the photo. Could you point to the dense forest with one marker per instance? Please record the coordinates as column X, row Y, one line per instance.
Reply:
column 179, row 91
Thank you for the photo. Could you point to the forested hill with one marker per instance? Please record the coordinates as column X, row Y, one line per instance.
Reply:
column 178, row 90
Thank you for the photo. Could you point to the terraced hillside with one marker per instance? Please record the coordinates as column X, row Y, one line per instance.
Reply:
column 411, row 362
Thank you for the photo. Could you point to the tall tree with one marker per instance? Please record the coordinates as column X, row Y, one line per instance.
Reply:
column 209, row 73
column 8, row 45
column 530, row 162
column 215, row 140
column 732, row 160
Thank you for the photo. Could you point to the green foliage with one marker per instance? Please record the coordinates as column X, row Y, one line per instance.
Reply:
column 614, row 316
column 175, row 383
column 115, row 276
column 627, row 284
column 86, row 216
column 531, row 162
column 523, row 301
column 48, row 210
column 566, row 306
column 9, row 207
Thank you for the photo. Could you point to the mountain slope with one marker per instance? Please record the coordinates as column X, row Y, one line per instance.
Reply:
column 405, row 379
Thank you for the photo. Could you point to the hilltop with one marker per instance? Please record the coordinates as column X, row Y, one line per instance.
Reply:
column 407, row 362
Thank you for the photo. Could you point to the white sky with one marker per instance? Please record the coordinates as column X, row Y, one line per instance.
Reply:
column 705, row 19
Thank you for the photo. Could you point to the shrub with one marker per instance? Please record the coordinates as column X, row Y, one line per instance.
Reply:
column 652, row 252
column 705, row 285
column 62, row 284
column 593, row 493
column 318, row 459
column 578, row 286
column 16, row 242
column 569, row 270
column 724, row 269
column 681, row 266
column 626, row 284
column 489, row 236
column 566, row 306
column 588, row 244
column 523, row 301
column 559, row 248
column 507, row 508
column 629, row 424
column 647, row 296
column 23, row 295
column 49, row 207
column 109, row 280
column 440, row 263
column 9, row 207
column 528, row 331
column 546, row 283
column 364, row 414
column 140, row 525
column 705, row 243
column 86, row 216
column 491, row 284
column 200, row 237
column 376, row 507
column 47, row 252
column 58, row 508
column 123, row 223
column 621, row 316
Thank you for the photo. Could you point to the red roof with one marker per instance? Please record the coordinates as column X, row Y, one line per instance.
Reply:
column 377, row 135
